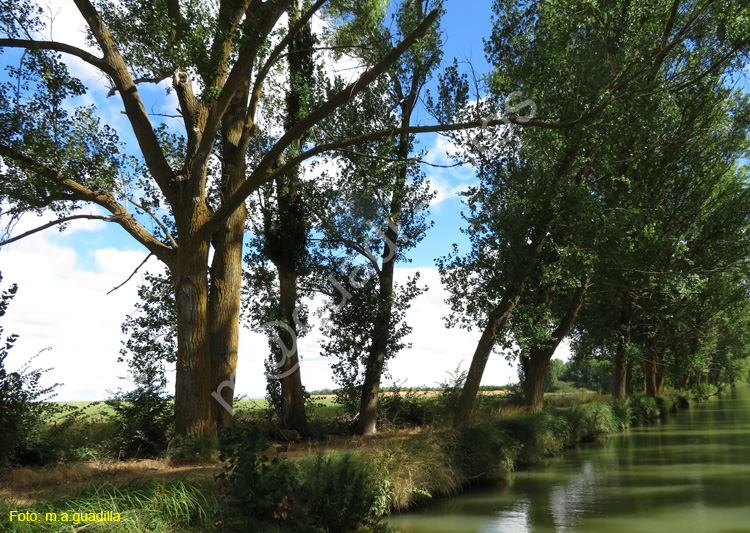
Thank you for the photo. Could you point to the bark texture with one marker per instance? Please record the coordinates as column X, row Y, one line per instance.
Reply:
column 496, row 321
column 540, row 356
column 619, row 385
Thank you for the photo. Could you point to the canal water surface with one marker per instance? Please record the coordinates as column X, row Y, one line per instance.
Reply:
column 689, row 473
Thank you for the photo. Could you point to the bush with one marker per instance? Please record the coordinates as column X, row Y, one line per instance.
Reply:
column 623, row 410
column 590, row 419
column 645, row 409
column 263, row 488
column 142, row 420
column 703, row 392
column 186, row 450
column 342, row 493
column 405, row 407
column 323, row 494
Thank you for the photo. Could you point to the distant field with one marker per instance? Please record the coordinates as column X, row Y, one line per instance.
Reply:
column 327, row 407
column 94, row 411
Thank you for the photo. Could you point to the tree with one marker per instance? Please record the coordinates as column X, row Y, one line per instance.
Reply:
column 218, row 58
column 595, row 67
column 648, row 303
column 403, row 194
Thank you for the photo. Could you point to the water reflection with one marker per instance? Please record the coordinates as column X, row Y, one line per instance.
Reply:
column 689, row 474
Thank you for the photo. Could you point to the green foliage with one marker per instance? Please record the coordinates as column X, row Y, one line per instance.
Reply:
column 623, row 410
column 404, row 407
column 263, row 488
column 142, row 417
column 703, row 391
column 588, row 373
column 325, row 494
column 342, row 492
column 187, row 450
column 590, row 419
column 645, row 409
column 142, row 421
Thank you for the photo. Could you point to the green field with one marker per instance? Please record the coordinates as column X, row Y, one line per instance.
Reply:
column 98, row 410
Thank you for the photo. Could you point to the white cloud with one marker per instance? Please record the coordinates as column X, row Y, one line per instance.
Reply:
column 449, row 182
column 62, row 307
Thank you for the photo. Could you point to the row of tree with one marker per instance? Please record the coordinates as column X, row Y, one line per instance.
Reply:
column 618, row 217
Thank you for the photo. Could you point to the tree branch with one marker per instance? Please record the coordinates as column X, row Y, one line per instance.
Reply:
column 55, row 223
column 148, row 211
column 269, row 13
column 104, row 199
column 131, row 275
column 275, row 56
column 391, row 160
column 391, row 132
column 155, row 159
column 138, row 81
column 30, row 44
column 262, row 173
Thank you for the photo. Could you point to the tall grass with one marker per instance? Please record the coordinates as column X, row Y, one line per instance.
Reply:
column 156, row 507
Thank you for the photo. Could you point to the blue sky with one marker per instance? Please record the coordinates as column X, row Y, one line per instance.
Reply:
column 64, row 277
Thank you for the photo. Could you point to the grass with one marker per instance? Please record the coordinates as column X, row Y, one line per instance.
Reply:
column 158, row 507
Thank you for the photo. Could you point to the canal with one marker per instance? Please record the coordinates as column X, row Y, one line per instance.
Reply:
column 689, row 473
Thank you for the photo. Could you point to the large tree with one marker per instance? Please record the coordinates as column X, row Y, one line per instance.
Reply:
column 218, row 58
column 595, row 67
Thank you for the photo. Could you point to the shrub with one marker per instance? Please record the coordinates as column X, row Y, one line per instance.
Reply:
column 142, row 420
column 405, row 407
column 590, row 419
column 623, row 410
column 263, row 488
column 703, row 392
column 487, row 450
column 417, row 465
column 186, row 450
column 645, row 409
column 342, row 493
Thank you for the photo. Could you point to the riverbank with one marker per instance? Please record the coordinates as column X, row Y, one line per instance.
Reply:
column 442, row 462
column 401, row 471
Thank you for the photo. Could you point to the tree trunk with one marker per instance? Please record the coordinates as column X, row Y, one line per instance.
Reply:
column 619, row 386
column 659, row 379
column 293, row 414
column 496, row 321
column 649, row 373
column 224, row 313
column 193, row 411
column 535, row 378
column 226, row 267
column 287, row 234
column 629, row 378
column 540, row 356
column 368, row 407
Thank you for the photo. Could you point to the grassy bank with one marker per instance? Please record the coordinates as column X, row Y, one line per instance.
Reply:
column 265, row 488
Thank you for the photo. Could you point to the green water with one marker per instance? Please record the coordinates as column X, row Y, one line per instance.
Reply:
column 687, row 474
